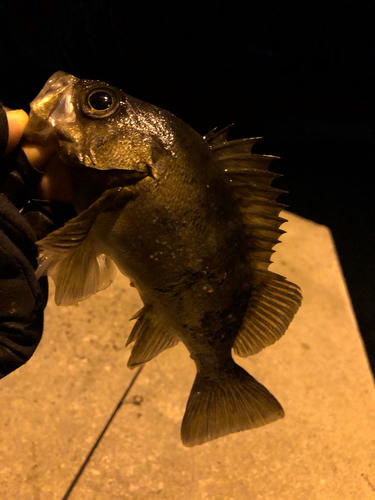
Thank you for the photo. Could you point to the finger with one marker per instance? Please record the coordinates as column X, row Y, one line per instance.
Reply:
column 55, row 184
column 38, row 156
column 17, row 121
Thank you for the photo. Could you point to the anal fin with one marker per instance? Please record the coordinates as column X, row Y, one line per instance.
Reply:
column 270, row 311
column 151, row 338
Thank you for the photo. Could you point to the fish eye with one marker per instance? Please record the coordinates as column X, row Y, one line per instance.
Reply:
column 100, row 100
column 100, row 103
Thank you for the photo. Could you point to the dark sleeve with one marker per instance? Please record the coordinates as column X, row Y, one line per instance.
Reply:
column 22, row 296
column 23, row 221
column 3, row 131
column 18, row 179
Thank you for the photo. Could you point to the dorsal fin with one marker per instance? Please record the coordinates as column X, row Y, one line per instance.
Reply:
column 274, row 300
column 251, row 180
column 238, row 145
column 151, row 337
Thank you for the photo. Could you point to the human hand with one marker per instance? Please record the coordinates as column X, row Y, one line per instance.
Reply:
column 22, row 296
column 54, row 184
column 17, row 121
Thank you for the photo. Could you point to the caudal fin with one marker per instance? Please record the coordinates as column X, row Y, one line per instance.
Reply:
column 236, row 402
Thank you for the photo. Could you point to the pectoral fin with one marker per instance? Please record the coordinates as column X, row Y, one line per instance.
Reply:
column 73, row 256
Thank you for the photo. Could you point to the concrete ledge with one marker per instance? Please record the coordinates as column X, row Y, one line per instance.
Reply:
column 53, row 409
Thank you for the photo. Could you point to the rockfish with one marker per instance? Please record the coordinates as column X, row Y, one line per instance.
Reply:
column 191, row 221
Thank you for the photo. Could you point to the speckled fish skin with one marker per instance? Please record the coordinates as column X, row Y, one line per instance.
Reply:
column 153, row 197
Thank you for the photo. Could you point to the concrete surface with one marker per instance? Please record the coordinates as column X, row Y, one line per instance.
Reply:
column 53, row 408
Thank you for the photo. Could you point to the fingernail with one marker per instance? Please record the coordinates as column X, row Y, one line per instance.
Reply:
column 18, row 115
column 17, row 121
column 13, row 112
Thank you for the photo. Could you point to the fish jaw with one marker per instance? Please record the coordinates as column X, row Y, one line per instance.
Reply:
column 42, row 122
column 46, row 100
column 53, row 120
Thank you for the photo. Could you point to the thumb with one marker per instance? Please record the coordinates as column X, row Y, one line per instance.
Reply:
column 17, row 121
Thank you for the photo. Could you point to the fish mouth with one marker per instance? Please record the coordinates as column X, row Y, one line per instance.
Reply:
column 42, row 132
column 39, row 129
column 49, row 97
column 89, row 184
column 107, row 179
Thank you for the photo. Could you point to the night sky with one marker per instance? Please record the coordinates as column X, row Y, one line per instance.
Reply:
column 299, row 73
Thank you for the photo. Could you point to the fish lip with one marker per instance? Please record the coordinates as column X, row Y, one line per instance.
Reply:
column 39, row 130
column 51, row 93
column 58, row 82
column 42, row 132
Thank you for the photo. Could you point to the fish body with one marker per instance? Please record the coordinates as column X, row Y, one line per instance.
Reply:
column 190, row 220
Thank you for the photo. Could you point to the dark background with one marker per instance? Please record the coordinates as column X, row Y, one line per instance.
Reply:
column 299, row 73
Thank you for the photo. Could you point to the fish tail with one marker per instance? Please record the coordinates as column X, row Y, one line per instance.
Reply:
column 232, row 403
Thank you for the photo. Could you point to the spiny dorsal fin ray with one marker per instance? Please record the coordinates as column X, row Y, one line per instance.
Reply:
column 270, row 311
column 151, row 338
column 245, row 156
column 217, row 136
column 258, row 216
column 74, row 258
column 238, row 145
column 259, row 230
column 260, row 162
column 241, row 171
column 262, row 206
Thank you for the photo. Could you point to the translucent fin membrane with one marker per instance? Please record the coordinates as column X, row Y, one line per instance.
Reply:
column 270, row 311
column 74, row 258
column 251, row 180
column 232, row 403
column 151, row 338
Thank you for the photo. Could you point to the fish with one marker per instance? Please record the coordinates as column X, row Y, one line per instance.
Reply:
column 191, row 220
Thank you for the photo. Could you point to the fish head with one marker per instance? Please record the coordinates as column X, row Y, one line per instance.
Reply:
column 96, row 125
